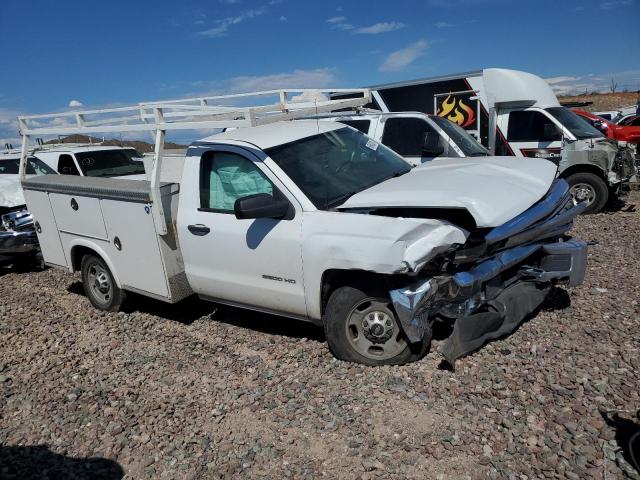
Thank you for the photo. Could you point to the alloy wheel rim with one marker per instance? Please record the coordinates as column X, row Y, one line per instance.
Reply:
column 582, row 192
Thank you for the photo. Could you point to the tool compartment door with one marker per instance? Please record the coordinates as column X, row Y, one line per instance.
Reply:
column 40, row 207
column 78, row 215
column 138, row 261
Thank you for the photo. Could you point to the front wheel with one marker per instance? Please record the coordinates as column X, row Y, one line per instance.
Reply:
column 590, row 188
column 361, row 326
column 100, row 286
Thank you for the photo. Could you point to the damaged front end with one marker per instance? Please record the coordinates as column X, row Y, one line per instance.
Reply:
column 18, row 239
column 492, row 285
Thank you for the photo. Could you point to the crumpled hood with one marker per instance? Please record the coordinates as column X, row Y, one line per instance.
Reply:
column 492, row 189
column 10, row 191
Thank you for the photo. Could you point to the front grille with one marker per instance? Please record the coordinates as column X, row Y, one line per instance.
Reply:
column 556, row 263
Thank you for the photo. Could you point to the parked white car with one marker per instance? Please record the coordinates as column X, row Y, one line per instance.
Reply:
column 316, row 221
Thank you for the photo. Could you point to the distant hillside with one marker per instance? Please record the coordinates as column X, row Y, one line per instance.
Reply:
column 603, row 101
column 142, row 147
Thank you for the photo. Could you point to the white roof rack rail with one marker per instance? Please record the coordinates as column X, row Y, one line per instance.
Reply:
column 208, row 112
column 192, row 113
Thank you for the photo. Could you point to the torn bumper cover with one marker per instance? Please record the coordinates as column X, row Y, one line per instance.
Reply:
column 495, row 295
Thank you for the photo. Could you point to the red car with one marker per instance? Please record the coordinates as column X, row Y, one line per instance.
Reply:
column 621, row 133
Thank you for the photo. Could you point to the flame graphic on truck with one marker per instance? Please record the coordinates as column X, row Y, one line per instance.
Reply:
column 457, row 111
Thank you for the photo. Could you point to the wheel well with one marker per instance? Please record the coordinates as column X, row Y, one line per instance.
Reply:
column 583, row 168
column 78, row 253
column 336, row 278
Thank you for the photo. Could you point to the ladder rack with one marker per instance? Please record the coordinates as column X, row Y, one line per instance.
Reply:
column 207, row 112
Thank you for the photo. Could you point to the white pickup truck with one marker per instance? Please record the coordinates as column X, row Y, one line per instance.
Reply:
column 316, row 221
column 416, row 136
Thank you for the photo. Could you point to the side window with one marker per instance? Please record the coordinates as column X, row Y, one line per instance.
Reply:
column 362, row 125
column 406, row 136
column 531, row 126
column 66, row 165
column 226, row 177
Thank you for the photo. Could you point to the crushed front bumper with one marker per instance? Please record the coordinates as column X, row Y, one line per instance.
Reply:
column 494, row 295
column 18, row 238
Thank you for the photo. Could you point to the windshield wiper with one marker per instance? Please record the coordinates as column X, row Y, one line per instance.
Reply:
column 478, row 154
column 339, row 200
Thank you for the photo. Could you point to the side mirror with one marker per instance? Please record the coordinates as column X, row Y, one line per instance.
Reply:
column 551, row 132
column 600, row 125
column 260, row 205
column 433, row 145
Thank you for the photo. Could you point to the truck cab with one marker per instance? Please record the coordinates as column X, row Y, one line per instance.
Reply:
column 94, row 160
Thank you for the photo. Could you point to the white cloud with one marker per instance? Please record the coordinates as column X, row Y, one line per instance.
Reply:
column 404, row 57
column 561, row 79
column 344, row 26
column 573, row 85
column 8, row 126
column 222, row 26
column 316, row 78
column 283, row 18
column 615, row 3
column 75, row 103
column 381, row 27
column 444, row 25
column 340, row 23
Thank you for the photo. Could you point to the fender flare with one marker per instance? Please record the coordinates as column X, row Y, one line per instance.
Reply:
column 87, row 243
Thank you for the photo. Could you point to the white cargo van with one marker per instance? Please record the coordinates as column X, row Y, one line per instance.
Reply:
column 517, row 113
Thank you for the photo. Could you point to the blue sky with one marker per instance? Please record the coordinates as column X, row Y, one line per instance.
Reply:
column 104, row 53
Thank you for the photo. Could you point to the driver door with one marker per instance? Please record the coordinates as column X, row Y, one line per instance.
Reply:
column 532, row 133
column 252, row 262
column 406, row 135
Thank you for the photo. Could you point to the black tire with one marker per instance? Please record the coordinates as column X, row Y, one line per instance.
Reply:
column 100, row 286
column 338, row 314
column 597, row 185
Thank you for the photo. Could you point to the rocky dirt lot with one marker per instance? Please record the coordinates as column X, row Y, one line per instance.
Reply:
column 183, row 392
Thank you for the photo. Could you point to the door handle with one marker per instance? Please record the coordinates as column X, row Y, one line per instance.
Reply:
column 199, row 229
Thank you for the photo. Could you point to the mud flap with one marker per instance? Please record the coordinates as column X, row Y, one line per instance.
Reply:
column 510, row 309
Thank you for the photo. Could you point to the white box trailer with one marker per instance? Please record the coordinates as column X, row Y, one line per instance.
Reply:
column 516, row 113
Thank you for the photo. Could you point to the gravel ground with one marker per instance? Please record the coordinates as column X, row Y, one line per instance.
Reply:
column 189, row 392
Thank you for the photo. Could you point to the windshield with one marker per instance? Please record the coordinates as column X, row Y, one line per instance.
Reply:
column 572, row 122
column 332, row 166
column 465, row 142
column 35, row 166
column 109, row 163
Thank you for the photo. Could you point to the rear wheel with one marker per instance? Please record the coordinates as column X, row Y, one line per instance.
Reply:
column 361, row 326
column 99, row 284
column 590, row 188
